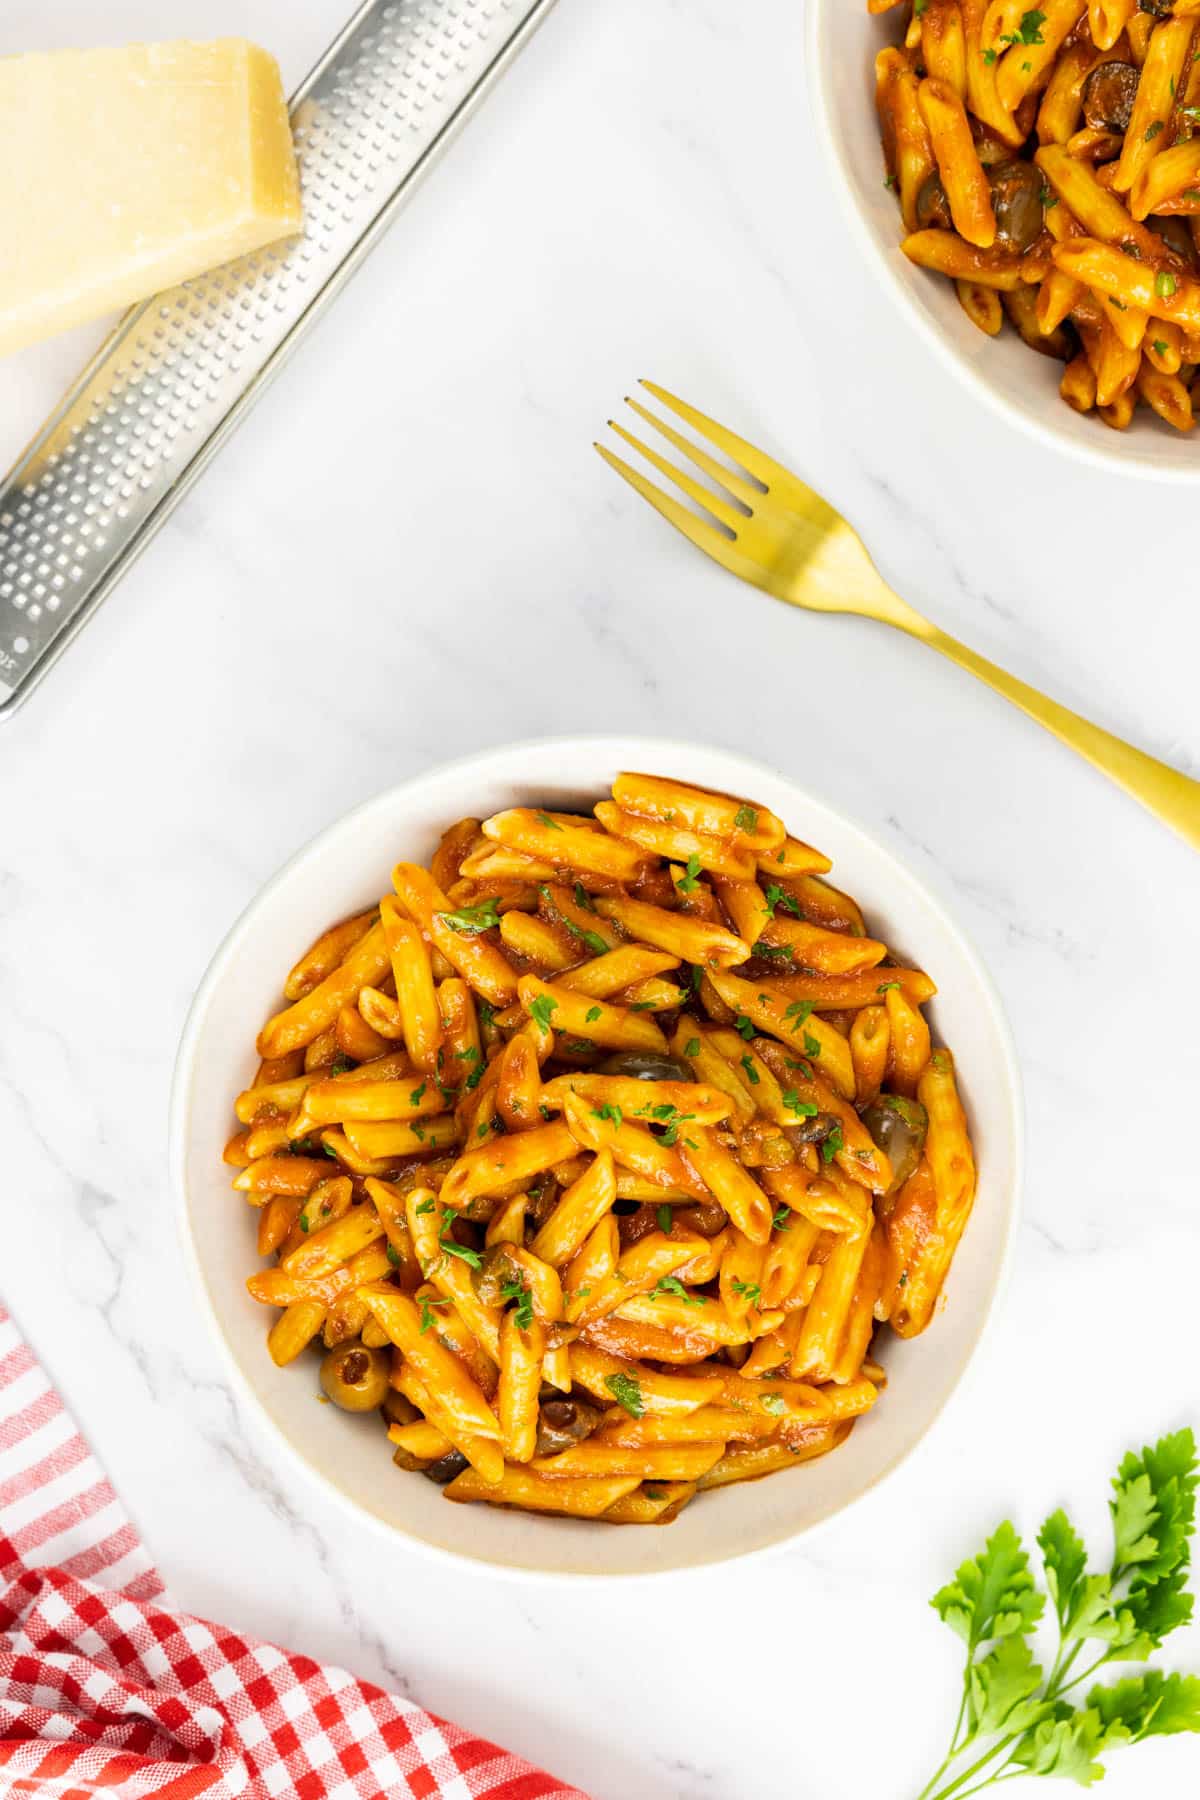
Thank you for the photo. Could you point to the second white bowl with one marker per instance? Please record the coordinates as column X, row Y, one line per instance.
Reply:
column 348, row 867
column 1002, row 373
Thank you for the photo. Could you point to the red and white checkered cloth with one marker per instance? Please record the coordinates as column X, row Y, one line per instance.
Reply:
column 103, row 1689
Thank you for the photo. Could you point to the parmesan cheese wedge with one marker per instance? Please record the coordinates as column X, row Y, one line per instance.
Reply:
column 127, row 171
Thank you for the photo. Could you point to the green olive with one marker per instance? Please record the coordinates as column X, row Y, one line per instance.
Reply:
column 355, row 1378
column 899, row 1127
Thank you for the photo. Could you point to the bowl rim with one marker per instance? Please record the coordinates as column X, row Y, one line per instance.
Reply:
column 627, row 751
column 1124, row 460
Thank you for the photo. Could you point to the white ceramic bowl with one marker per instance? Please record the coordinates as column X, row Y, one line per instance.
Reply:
column 346, row 868
column 1001, row 373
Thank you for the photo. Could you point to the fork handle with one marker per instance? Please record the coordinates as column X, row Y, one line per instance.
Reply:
column 1171, row 796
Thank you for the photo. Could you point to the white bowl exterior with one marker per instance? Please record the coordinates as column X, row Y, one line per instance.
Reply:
column 843, row 40
column 346, row 868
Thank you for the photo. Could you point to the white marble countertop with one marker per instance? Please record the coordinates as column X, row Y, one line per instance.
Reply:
column 411, row 550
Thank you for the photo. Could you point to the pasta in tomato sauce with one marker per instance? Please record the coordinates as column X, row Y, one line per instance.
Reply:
column 596, row 1154
column 1047, row 161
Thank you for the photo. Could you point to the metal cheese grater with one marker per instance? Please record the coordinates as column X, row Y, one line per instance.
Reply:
column 182, row 369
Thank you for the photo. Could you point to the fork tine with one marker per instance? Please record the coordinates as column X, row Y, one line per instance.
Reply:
column 745, row 491
column 717, row 504
column 757, row 462
column 706, row 537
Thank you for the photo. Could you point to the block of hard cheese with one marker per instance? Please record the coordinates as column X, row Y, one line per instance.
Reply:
column 126, row 171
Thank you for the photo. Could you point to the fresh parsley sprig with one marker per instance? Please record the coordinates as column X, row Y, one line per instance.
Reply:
column 1014, row 1718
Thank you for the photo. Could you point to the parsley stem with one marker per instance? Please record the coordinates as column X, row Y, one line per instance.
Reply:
column 1003, row 1774
column 956, row 1786
column 1061, row 1670
column 1075, row 1680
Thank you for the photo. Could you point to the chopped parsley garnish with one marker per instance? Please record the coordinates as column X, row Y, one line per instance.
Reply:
column 750, row 1290
column 579, row 1046
column 690, row 880
column 781, row 952
column 486, row 1014
column 583, row 899
column 1047, row 197
column 692, row 1047
column 304, row 1225
column 782, row 1218
column 885, row 985
column 541, row 1008
column 472, row 1258
column 591, row 1015
column 627, row 1392
column 302, row 1147
column 745, row 819
column 418, row 1094
column 774, row 1403
column 427, row 1318
column 671, row 1284
column 340, row 1065
column 522, row 1293
column 470, row 920
column 608, row 1111
column 752, row 1075
column 666, row 1219
column 426, row 1206
column 591, row 939
column 1165, row 284
column 803, row 1109
column 833, row 1143
column 548, row 822
column 744, row 1026
column 775, row 897
column 799, row 1011
column 812, row 1045
column 393, row 1256
column 1159, row 348
column 1153, row 130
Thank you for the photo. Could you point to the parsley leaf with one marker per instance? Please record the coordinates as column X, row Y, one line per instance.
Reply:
column 522, row 1293
column 744, row 1026
column 427, row 1318
column 692, row 1047
column 992, row 1595
column 541, row 1008
column 470, row 920
column 610, row 1112
column 799, row 1011
column 472, row 1258
column 689, row 881
column 591, row 1015
column 775, row 896
column 544, row 818
column 627, row 1392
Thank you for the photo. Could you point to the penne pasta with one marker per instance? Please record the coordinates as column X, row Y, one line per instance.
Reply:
column 574, row 1153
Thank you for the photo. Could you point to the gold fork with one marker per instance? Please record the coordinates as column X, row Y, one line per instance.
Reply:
column 770, row 528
